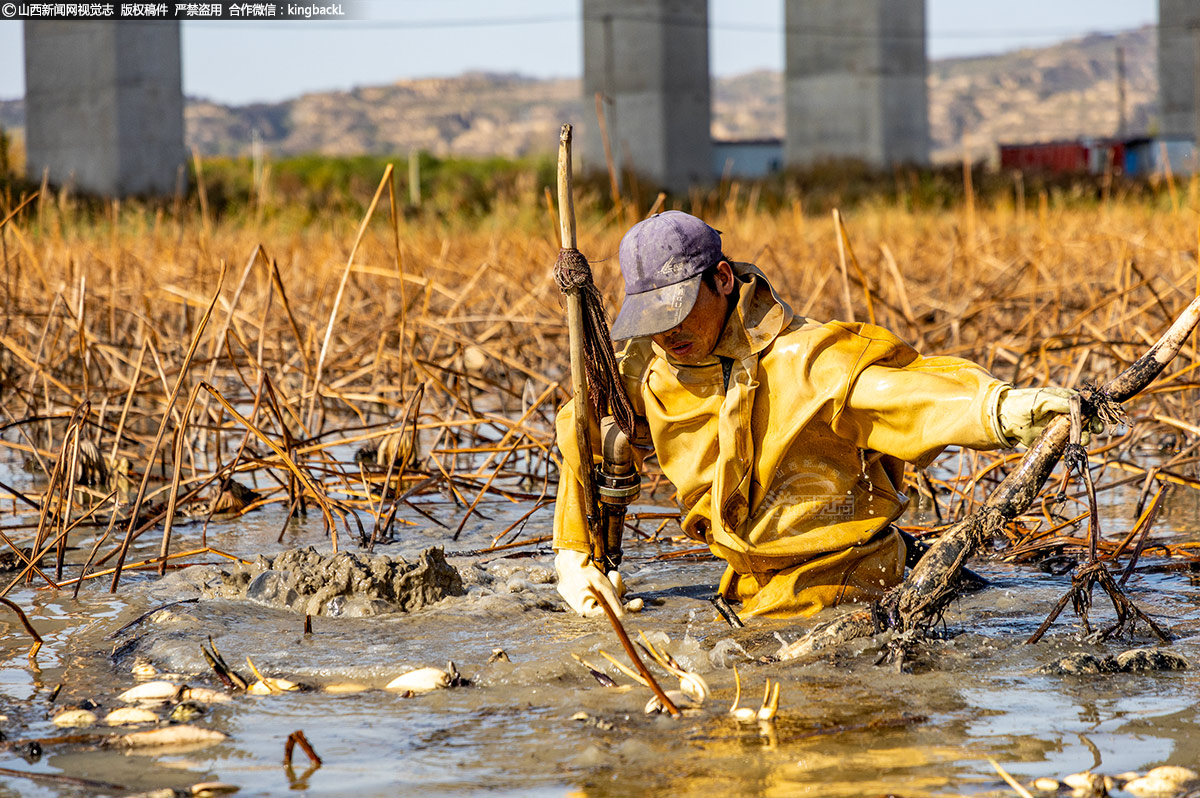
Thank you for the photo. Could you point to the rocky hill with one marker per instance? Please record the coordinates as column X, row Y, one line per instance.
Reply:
column 473, row 114
column 1063, row 91
column 1060, row 92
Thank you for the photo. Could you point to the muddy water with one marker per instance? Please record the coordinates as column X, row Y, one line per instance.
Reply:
column 847, row 726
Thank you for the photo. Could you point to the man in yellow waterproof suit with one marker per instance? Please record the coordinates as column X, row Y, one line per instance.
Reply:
column 785, row 438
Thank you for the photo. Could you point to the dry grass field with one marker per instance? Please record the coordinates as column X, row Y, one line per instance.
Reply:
column 149, row 353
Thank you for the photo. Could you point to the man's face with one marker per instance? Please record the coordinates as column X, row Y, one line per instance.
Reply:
column 692, row 340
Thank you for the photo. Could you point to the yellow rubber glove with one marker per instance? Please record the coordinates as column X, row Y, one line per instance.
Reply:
column 1022, row 413
column 576, row 575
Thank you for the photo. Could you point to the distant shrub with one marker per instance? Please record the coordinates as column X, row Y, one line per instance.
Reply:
column 460, row 188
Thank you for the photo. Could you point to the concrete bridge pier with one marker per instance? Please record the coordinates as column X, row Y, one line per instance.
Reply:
column 855, row 82
column 104, row 105
column 1179, row 68
column 648, row 59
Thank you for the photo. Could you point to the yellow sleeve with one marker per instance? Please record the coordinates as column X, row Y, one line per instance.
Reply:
column 570, row 526
column 915, row 410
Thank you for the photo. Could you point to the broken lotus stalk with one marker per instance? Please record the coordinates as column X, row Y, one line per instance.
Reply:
column 919, row 600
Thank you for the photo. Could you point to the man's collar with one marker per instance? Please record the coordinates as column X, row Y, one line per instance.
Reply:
column 758, row 316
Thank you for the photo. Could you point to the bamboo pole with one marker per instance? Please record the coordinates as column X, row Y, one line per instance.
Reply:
column 579, row 388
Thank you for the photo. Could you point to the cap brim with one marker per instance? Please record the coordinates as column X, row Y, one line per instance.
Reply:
column 655, row 311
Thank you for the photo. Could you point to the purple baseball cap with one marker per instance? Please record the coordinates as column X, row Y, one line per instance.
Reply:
column 662, row 259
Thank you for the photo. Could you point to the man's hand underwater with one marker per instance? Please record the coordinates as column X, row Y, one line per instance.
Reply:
column 1023, row 413
column 576, row 574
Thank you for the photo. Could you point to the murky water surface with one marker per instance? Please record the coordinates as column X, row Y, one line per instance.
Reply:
column 847, row 726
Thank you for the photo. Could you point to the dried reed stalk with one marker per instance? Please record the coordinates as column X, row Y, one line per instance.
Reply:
column 162, row 427
column 95, row 308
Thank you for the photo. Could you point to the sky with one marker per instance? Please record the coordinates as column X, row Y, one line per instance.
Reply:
column 243, row 62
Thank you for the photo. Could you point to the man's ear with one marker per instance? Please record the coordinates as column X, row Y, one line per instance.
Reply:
column 724, row 278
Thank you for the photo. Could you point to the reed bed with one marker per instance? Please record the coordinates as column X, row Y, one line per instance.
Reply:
column 156, row 361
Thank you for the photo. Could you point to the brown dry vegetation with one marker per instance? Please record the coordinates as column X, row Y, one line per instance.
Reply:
column 318, row 343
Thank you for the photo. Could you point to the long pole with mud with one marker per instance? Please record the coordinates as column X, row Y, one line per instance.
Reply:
column 575, row 330
column 919, row 601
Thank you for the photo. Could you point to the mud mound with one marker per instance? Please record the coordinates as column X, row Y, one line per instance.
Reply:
column 1137, row 660
column 346, row 584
